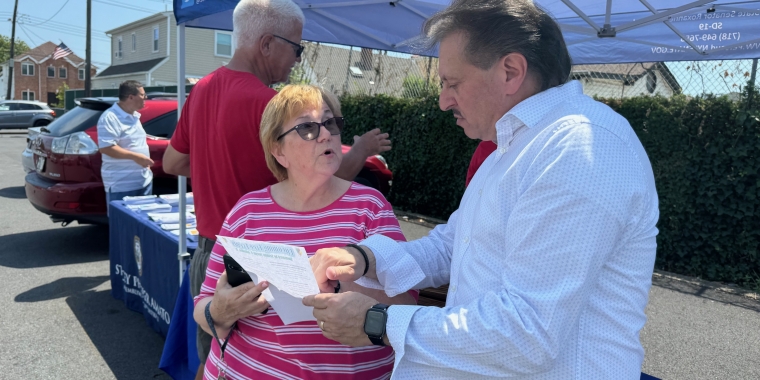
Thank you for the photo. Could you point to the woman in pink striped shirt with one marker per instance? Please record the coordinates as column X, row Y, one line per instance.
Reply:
column 310, row 208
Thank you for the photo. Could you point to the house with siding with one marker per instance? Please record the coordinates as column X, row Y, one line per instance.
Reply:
column 626, row 80
column 146, row 50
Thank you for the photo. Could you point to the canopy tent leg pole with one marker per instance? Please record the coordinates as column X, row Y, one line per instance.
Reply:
column 752, row 88
column 608, row 14
column 182, row 254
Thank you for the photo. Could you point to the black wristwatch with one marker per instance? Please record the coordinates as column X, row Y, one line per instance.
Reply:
column 374, row 323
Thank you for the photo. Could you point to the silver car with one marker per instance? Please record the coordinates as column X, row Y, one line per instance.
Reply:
column 24, row 114
column 27, row 156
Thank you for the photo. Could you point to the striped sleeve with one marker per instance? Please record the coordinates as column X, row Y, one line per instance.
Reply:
column 216, row 261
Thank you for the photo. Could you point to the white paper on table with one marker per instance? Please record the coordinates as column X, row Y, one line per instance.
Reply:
column 285, row 267
column 169, row 217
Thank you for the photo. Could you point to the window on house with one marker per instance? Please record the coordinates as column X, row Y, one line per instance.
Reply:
column 27, row 68
column 81, row 74
column 155, row 39
column 223, row 44
column 118, row 53
column 27, row 95
column 51, row 71
column 134, row 42
column 62, row 72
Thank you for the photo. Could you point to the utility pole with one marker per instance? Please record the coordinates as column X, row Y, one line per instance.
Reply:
column 10, row 60
column 88, row 51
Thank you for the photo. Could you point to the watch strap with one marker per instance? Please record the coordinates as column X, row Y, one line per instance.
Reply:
column 378, row 340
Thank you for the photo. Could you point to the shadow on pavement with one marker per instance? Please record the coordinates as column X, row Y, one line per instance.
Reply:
column 62, row 287
column 15, row 192
column 706, row 292
column 58, row 246
column 128, row 346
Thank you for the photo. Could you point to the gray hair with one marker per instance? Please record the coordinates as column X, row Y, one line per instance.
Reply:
column 253, row 18
column 129, row 87
column 495, row 28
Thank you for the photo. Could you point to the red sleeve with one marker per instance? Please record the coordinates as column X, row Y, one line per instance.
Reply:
column 181, row 138
column 484, row 149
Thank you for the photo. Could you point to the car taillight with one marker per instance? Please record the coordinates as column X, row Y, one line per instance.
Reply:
column 76, row 143
column 81, row 143
column 59, row 144
column 52, row 113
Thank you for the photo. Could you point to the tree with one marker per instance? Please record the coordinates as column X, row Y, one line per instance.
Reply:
column 60, row 95
column 5, row 48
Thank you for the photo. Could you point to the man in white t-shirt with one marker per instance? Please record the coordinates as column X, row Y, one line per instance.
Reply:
column 122, row 141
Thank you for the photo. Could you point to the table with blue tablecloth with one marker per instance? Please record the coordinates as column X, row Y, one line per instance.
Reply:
column 180, row 356
column 144, row 267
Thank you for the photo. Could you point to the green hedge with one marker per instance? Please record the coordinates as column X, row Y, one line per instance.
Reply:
column 704, row 153
column 430, row 152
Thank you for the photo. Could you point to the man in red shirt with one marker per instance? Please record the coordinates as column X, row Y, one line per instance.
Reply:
column 216, row 142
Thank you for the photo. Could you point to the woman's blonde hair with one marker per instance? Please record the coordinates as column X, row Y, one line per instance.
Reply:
column 289, row 103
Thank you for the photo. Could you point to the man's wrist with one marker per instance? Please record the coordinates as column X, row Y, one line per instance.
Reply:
column 361, row 258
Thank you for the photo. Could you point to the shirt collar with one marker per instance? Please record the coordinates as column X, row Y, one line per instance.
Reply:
column 532, row 110
column 121, row 113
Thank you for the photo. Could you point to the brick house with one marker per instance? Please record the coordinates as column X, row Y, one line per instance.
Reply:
column 37, row 76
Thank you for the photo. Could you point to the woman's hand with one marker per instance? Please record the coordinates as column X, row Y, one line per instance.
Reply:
column 232, row 303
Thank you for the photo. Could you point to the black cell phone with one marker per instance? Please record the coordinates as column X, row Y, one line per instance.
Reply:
column 236, row 275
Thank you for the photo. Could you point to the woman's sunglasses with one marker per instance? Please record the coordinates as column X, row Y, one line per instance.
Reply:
column 310, row 130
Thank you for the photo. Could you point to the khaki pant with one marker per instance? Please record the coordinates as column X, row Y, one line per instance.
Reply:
column 198, row 265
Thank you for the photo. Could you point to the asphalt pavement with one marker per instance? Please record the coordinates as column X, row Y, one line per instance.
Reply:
column 59, row 321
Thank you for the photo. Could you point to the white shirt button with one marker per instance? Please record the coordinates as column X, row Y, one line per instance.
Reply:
column 502, row 150
column 466, row 239
column 453, row 288
column 480, row 192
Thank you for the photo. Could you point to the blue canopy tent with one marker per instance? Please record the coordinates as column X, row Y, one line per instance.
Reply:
column 596, row 31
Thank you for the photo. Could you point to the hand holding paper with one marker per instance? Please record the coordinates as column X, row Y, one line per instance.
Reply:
column 285, row 267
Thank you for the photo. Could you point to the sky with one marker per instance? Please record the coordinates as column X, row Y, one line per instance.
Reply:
column 65, row 21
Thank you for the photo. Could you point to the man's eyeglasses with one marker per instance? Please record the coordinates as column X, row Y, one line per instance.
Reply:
column 298, row 48
column 310, row 130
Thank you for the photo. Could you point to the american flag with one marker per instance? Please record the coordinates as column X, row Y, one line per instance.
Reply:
column 61, row 51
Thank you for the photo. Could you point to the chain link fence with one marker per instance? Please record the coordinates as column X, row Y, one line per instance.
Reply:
column 353, row 70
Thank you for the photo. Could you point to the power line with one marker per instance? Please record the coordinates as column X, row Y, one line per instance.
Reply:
column 31, row 31
column 56, row 13
column 71, row 33
column 27, row 34
column 131, row 7
column 56, row 24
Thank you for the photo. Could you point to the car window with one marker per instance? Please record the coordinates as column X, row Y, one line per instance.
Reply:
column 27, row 107
column 5, row 107
column 14, row 106
column 78, row 119
column 162, row 126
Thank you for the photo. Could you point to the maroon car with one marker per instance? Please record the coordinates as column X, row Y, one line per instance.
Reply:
column 67, row 185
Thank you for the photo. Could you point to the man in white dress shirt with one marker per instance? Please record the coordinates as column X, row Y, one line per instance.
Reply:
column 550, row 255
